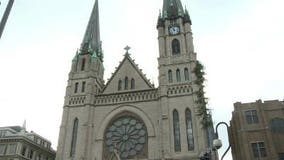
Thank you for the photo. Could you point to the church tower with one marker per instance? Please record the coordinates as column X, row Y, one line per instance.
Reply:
column 85, row 81
column 182, row 132
column 128, row 117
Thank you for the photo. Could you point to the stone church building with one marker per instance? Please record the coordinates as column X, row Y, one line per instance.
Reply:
column 127, row 117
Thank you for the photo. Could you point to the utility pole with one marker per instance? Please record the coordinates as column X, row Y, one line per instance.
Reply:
column 5, row 16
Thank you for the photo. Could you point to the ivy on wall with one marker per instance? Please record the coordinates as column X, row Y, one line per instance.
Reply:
column 201, row 100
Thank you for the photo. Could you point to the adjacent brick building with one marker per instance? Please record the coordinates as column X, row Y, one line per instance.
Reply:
column 257, row 130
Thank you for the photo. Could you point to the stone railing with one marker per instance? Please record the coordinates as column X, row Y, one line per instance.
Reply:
column 145, row 95
column 77, row 100
column 180, row 90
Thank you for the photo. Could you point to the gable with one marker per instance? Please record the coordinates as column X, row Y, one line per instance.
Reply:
column 127, row 77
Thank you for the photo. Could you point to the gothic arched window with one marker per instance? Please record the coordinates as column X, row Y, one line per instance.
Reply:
column 132, row 83
column 186, row 74
column 74, row 137
column 119, row 85
column 178, row 75
column 189, row 130
column 83, row 86
column 176, row 131
column 170, row 76
column 76, row 87
column 175, row 47
column 126, row 83
column 83, row 64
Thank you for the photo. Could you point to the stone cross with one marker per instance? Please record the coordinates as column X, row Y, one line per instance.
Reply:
column 127, row 48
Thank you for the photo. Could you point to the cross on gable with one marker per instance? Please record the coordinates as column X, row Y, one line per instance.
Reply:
column 127, row 48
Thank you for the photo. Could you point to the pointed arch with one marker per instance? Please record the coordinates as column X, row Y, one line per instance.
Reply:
column 126, row 83
column 170, row 76
column 186, row 74
column 132, row 83
column 128, row 108
column 76, row 87
column 178, row 75
column 74, row 137
column 175, row 47
column 189, row 129
column 176, row 127
column 83, row 87
column 119, row 85
column 83, row 63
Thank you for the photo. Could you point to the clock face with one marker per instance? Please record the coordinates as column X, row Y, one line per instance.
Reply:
column 174, row 30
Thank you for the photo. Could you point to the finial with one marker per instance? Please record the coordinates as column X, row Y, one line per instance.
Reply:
column 24, row 125
column 127, row 48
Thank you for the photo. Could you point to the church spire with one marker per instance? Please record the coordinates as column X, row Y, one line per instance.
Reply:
column 172, row 9
column 91, row 42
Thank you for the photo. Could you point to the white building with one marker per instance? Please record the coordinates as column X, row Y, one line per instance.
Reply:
column 18, row 144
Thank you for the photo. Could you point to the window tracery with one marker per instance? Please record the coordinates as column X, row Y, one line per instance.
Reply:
column 126, row 135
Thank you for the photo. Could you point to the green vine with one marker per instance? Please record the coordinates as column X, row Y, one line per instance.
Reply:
column 201, row 100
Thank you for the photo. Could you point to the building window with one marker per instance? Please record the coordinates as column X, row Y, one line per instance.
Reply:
column 170, row 76
column 129, row 136
column 178, row 75
column 31, row 154
column 39, row 156
column 2, row 133
column 126, row 83
column 176, row 131
column 277, row 125
column 12, row 149
column 189, row 130
column 186, row 74
column 119, row 85
column 251, row 116
column 83, row 86
column 258, row 150
column 83, row 64
column 132, row 83
column 2, row 149
column 23, row 152
column 175, row 47
column 74, row 137
column 76, row 87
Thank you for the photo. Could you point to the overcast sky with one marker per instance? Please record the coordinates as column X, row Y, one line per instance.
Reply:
column 240, row 42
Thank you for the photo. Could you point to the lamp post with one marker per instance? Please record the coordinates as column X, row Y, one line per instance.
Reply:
column 217, row 143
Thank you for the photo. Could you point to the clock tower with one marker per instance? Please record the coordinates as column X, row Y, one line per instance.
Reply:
column 177, row 60
column 175, row 41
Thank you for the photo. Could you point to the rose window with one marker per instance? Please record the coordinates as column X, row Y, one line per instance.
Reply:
column 127, row 136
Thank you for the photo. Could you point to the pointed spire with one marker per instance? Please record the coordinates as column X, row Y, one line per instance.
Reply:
column 172, row 9
column 91, row 41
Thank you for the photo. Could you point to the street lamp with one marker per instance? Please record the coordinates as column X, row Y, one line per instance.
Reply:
column 217, row 143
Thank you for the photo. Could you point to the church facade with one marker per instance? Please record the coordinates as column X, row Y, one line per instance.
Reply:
column 127, row 117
